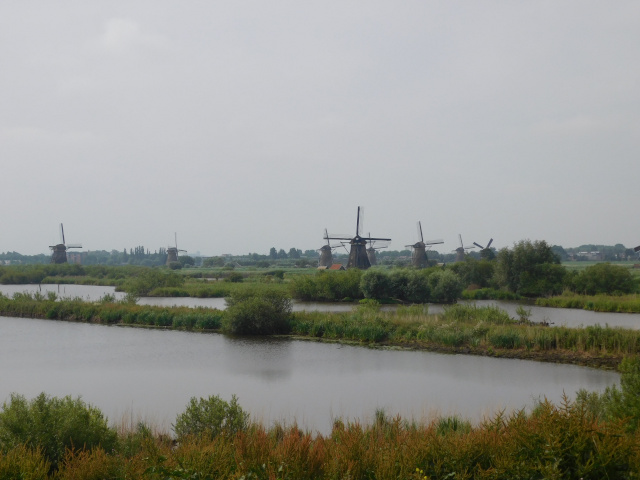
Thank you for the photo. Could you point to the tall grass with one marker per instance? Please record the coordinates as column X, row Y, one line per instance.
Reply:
column 596, row 303
column 562, row 441
column 109, row 312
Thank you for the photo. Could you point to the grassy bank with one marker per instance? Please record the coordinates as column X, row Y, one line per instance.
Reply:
column 596, row 303
column 462, row 328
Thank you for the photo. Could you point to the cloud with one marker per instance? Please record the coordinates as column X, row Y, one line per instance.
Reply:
column 25, row 135
column 577, row 125
column 124, row 34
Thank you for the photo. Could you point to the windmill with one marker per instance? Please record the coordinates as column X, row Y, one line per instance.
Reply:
column 326, row 252
column 637, row 250
column 59, row 251
column 461, row 250
column 358, row 257
column 172, row 252
column 486, row 252
column 419, row 255
column 371, row 251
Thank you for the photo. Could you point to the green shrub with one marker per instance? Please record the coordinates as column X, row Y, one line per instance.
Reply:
column 209, row 417
column 234, row 277
column 150, row 279
column 604, row 278
column 445, row 286
column 375, row 284
column 53, row 425
column 257, row 313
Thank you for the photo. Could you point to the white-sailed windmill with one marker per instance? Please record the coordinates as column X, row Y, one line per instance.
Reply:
column 172, row 252
column 358, row 257
column 59, row 251
column 419, row 254
column 461, row 250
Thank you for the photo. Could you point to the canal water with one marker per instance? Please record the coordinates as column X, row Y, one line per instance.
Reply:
column 138, row 374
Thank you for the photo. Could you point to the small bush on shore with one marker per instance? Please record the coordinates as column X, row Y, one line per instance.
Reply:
column 251, row 313
column 209, row 417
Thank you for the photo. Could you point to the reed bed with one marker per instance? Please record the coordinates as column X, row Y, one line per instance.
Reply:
column 553, row 442
column 596, row 303
column 218, row 289
column 471, row 329
column 110, row 312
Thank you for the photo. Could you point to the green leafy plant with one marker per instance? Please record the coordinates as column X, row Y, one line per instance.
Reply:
column 210, row 417
column 265, row 312
column 53, row 425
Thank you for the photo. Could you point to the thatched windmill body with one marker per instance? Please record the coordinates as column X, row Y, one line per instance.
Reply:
column 326, row 253
column 461, row 250
column 419, row 257
column 486, row 252
column 172, row 252
column 358, row 257
column 59, row 251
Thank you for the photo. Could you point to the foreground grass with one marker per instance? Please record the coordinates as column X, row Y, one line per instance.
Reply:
column 462, row 328
column 554, row 442
column 596, row 303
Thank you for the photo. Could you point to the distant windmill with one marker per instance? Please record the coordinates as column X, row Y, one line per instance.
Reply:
column 326, row 253
column 371, row 251
column 637, row 250
column 172, row 252
column 486, row 252
column 419, row 255
column 59, row 251
column 358, row 257
column 460, row 251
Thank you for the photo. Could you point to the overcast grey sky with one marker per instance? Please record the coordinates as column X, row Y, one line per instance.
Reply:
column 250, row 124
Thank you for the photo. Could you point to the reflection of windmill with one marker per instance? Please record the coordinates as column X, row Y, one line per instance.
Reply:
column 172, row 252
column 419, row 256
column 326, row 252
column 486, row 252
column 358, row 254
column 371, row 251
column 59, row 251
column 460, row 251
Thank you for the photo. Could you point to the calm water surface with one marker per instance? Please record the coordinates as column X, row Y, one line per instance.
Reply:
column 150, row 374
